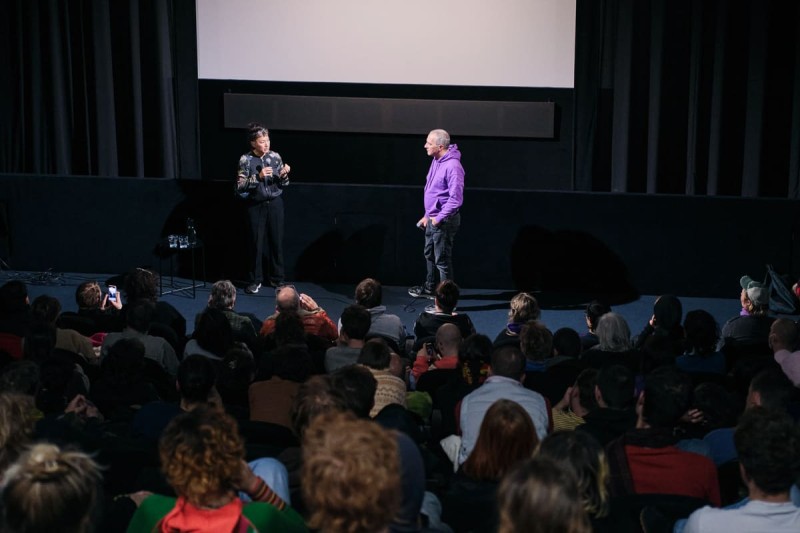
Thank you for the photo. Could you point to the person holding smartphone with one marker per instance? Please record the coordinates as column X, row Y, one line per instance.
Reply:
column 260, row 182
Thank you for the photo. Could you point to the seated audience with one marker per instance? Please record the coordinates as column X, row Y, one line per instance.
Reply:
column 442, row 354
column 223, row 298
column 15, row 308
column 768, row 444
column 315, row 319
column 355, row 324
column 665, row 324
column 96, row 310
column 546, row 374
column 202, row 457
column 578, row 401
column 647, row 460
column 271, row 400
column 236, row 373
column 582, row 457
column 506, row 438
column 375, row 355
column 351, row 475
column 444, row 312
column 750, row 329
column 369, row 293
column 615, row 413
column 594, row 311
column 138, row 318
column 566, row 344
column 143, row 285
column 45, row 310
column 523, row 309
column 702, row 335
column 614, row 345
column 17, row 422
column 49, row 489
column 212, row 336
column 504, row 382
column 538, row 497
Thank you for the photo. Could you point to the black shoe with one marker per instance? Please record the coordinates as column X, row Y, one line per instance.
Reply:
column 420, row 291
column 277, row 284
column 252, row 288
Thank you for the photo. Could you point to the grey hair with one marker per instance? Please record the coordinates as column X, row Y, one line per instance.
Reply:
column 442, row 137
column 613, row 333
column 223, row 295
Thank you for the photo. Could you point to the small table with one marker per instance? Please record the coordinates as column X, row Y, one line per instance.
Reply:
column 164, row 249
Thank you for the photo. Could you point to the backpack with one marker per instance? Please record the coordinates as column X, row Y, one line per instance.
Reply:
column 782, row 300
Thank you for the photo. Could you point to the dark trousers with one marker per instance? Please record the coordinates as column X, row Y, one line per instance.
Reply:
column 266, row 227
column 439, row 250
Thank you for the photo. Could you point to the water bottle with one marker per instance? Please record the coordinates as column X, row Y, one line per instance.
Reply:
column 191, row 233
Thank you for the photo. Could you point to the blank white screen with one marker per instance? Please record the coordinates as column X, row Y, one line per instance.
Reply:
column 506, row 43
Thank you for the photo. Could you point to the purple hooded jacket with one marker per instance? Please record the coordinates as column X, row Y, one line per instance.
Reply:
column 444, row 186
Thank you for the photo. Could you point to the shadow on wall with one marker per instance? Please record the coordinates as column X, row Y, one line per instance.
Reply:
column 337, row 258
column 568, row 268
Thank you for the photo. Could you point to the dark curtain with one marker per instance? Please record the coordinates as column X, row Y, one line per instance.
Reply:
column 99, row 88
column 696, row 97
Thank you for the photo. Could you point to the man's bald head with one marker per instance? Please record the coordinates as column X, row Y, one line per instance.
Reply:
column 448, row 339
column 287, row 299
column 783, row 335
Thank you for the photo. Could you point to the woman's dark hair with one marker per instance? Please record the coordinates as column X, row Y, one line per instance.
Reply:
column 473, row 358
column 214, row 332
column 594, row 311
column 702, row 332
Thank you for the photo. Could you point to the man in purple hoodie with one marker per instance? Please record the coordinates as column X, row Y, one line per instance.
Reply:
column 444, row 194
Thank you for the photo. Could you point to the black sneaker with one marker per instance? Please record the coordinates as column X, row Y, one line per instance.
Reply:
column 420, row 291
column 252, row 288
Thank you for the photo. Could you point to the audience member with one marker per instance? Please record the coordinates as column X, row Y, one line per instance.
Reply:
column 212, row 336
column 442, row 354
column 506, row 373
column 351, row 475
column 444, row 312
column 566, row 344
column 646, row 460
column 615, row 412
column 750, row 329
column 237, row 372
column 665, row 324
column 579, row 455
column 139, row 316
column 45, row 310
column 315, row 319
column 17, row 422
column 538, row 497
column 390, row 389
column 202, row 457
column 768, row 443
column 271, row 400
column 15, row 309
column 100, row 313
column 143, row 285
column 369, row 293
column 702, row 336
column 594, row 311
column 523, row 308
column 223, row 298
column 783, row 339
column 506, row 437
column 614, row 345
column 578, row 401
column 48, row 489
column 355, row 324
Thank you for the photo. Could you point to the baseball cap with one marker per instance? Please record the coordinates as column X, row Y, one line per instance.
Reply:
column 756, row 291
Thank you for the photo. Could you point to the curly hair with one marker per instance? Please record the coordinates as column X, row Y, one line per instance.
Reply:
column 369, row 293
column 17, row 421
column 536, row 341
column 351, row 474
column 141, row 284
column 201, row 453
column 48, row 489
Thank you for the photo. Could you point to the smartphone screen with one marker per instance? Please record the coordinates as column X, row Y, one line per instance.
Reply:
column 112, row 293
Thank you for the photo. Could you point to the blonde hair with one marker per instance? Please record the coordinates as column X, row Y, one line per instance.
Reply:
column 351, row 474
column 48, row 489
column 524, row 307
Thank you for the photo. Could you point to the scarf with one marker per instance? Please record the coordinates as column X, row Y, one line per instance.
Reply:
column 186, row 518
